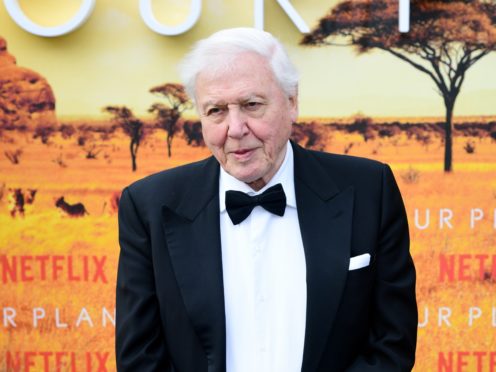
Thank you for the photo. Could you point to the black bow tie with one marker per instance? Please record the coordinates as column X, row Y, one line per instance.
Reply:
column 239, row 205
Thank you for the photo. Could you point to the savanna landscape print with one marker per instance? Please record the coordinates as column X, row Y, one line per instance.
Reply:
column 61, row 178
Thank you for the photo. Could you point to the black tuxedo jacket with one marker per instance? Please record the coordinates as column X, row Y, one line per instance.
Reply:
column 170, row 298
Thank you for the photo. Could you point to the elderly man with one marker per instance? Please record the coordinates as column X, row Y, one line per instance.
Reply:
column 266, row 256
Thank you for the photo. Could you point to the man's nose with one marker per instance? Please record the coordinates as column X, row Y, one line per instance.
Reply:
column 236, row 121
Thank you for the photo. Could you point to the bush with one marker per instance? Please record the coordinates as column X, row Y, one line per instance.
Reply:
column 411, row 175
column 44, row 132
column 469, row 147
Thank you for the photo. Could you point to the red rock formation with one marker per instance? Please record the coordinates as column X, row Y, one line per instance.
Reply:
column 26, row 98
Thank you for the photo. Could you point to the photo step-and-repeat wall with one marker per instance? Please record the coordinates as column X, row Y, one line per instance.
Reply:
column 90, row 101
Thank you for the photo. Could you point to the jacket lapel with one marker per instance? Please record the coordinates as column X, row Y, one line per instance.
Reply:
column 325, row 217
column 192, row 232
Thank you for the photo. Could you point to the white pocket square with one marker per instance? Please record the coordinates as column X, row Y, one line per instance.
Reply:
column 360, row 261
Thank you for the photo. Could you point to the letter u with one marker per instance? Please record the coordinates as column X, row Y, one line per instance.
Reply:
column 151, row 21
column 427, row 219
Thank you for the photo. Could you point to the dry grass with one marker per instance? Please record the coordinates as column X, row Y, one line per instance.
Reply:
column 94, row 182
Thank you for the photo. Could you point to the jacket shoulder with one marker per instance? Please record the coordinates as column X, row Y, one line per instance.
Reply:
column 170, row 177
column 163, row 184
column 349, row 166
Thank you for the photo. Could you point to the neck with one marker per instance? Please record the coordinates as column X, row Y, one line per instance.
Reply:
column 257, row 184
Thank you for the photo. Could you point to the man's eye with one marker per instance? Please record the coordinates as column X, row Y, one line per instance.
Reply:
column 252, row 105
column 214, row 111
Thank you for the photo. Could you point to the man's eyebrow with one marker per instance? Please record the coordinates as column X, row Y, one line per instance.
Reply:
column 213, row 103
column 252, row 96
column 224, row 103
column 207, row 104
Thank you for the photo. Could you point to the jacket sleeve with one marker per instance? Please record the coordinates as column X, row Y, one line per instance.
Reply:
column 393, row 332
column 139, row 340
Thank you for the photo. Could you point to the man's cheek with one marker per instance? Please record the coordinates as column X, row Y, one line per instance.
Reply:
column 211, row 140
column 218, row 136
column 216, row 146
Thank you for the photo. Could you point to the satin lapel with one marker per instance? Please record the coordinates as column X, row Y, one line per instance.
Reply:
column 325, row 216
column 192, row 232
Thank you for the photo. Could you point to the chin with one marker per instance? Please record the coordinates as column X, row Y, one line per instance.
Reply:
column 243, row 178
column 246, row 177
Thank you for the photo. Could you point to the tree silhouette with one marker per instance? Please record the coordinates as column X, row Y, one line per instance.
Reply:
column 132, row 126
column 445, row 40
column 193, row 133
column 168, row 114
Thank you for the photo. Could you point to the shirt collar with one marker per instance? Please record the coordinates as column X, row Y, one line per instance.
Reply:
column 284, row 176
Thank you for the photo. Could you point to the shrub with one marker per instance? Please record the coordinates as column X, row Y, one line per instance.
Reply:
column 411, row 175
column 469, row 147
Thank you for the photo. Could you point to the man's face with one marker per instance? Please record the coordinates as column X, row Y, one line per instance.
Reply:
column 246, row 118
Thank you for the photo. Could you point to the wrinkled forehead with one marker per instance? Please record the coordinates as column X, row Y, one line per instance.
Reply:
column 232, row 63
column 236, row 78
column 246, row 74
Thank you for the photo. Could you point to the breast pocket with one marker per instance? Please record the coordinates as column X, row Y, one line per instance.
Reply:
column 360, row 279
column 359, row 262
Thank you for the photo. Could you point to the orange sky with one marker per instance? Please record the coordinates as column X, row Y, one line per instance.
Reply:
column 115, row 59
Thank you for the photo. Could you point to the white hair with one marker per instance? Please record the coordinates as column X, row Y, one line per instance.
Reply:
column 217, row 52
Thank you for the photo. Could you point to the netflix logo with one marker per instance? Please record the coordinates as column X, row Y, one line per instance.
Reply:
column 466, row 361
column 46, row 361
column 466, row 267
column 29, row 268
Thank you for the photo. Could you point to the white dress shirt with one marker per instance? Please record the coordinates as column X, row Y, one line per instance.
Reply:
column 264, row 281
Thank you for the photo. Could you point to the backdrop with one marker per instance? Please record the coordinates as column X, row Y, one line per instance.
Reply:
column 84, row 114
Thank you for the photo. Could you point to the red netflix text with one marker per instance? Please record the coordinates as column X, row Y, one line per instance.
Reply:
column 26, row 361
column 467, row 361
column 466, row 267
column 29, row 268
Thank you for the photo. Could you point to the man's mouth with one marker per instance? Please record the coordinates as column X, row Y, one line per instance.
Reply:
column 242, row 151
column 242, row 154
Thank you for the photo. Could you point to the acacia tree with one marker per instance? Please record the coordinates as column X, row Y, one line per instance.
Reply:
column 131, row 126
column 446, row 38
column 168, row 114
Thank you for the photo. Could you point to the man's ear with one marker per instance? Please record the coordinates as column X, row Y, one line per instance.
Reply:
column 293, row 106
